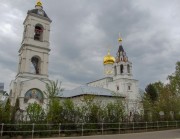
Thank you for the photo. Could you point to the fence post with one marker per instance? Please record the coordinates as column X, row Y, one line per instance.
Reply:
column 102, row 128
column 133, row 127
column 32, row 130
column 176, row 124
column 167, row 124
column 146, row 126
column 2, row 129
column 82, row 130
column 157, row 126
column 60, row 129
column 119, row 128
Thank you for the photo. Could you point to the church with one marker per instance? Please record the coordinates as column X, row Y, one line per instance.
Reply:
column 29, row 85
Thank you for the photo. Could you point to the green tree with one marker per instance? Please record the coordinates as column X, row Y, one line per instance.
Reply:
column 91, row 109
column 115, row 111
column 69, row 112
column 174, row 79
column 54, row 113
column 5, row 112
column 151, row 92
column 53, row 88
column 35, row 113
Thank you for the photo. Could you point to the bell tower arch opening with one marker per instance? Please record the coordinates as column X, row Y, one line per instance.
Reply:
column 121, row 68
column 38, row 32
column 35, row 65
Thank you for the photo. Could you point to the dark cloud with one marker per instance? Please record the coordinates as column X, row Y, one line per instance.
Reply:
column 82, row 31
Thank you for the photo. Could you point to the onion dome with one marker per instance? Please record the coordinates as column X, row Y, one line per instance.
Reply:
column 108, row 59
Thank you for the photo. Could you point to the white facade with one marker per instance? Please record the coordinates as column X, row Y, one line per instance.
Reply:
column 30, row 83
column 119, row 79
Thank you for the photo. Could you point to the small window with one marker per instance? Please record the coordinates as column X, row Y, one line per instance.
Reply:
column 117, row 87
column 129, row 87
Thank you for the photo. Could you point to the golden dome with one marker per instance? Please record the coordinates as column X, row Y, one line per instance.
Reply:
column 39, row 3
column 108, row 59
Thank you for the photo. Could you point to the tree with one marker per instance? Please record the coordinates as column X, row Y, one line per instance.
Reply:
column 5, row 112
column 54, row 114
column 53, row 88
column 91, row 109
column 174, row 79
column 115, row 111
column 35, row 113
column 69, row 113
column 151, row 92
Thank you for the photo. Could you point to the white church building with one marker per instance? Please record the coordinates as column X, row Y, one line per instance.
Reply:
column 118, row 82
column 29, row 85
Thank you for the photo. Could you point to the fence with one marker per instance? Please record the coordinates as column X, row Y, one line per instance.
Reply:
column 81, row 129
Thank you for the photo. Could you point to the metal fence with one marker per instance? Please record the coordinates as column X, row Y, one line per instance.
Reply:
column 81, row 129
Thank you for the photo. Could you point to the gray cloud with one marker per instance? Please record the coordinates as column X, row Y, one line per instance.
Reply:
column 82, row 31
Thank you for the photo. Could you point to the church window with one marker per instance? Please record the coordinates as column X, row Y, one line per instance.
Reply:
column 115, row 70
column 36, row 64
column 129, row 87
column 128, row 68
column 117, row 87
column 38, row 33
column 121, row 69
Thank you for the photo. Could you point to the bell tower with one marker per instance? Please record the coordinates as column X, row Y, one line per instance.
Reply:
column 34, row 50
column 32, row 75
column 122, row 66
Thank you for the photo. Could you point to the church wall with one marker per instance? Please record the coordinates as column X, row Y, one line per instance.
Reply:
column 102, row 100
column 103, row 83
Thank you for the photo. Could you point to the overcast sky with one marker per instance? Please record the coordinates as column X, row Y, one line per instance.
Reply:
column 83, row 30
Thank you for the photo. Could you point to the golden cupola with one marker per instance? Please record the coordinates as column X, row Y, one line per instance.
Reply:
column 39, row 3
column 108, row 59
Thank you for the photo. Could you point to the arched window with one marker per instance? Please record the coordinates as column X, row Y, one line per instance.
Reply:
column 35, row 65
column 128, row 68
column 115, row 70
column 121, row 69
column 38, row 32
